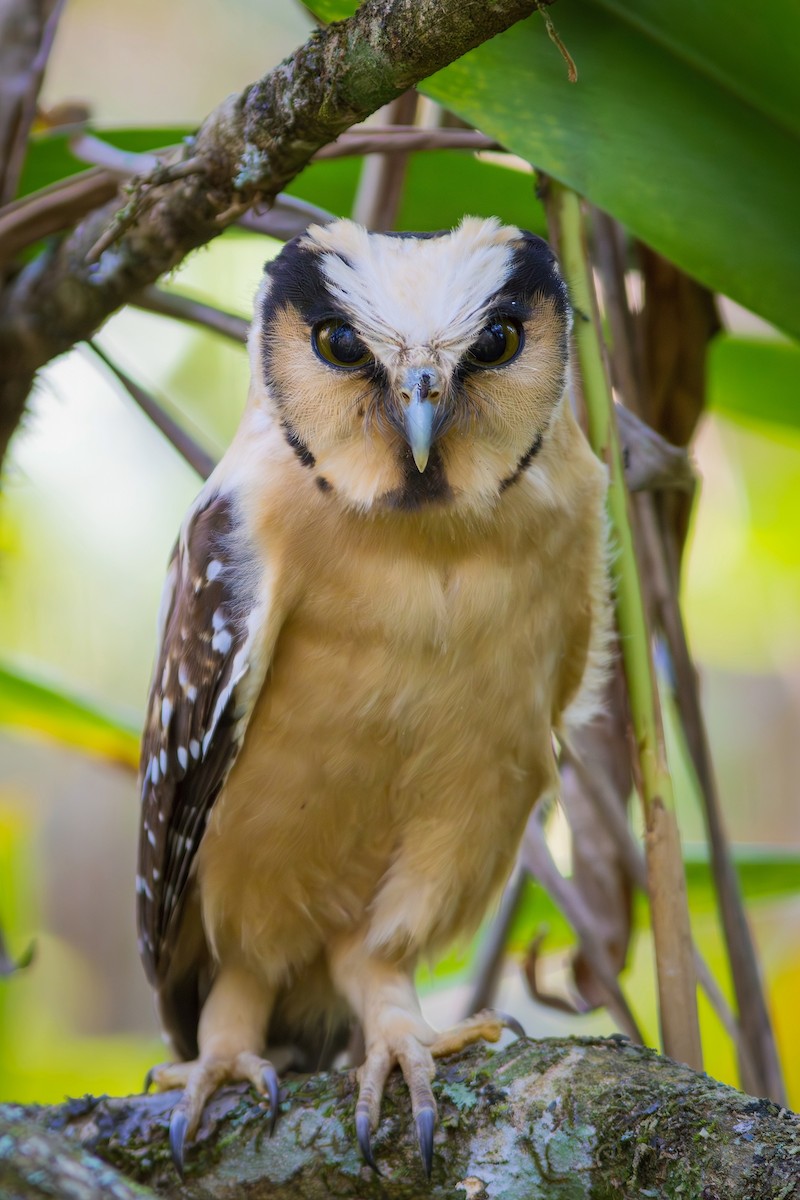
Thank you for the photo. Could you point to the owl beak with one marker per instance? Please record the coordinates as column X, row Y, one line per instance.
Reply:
column 420, row 389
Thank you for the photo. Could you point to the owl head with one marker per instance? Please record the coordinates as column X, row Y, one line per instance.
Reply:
column 412, row 371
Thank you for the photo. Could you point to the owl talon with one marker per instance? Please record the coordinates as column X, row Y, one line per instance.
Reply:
column 270, row 1078
column 426, row 1123
column 511, row 1023
column 363, row 1136
column 178, row 1125
column 199, row 1080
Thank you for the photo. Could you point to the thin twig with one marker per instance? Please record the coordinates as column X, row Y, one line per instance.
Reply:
column 492, row 953
column 53, row 209
column 553, row 34
column 536, row 857
column 287, row 217
column 404, row 139
column 183, row 308
column 187, row 447
column 91, row 149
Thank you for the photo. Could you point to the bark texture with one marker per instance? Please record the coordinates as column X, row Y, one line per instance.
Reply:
column 562, row 1119
column 249, row 148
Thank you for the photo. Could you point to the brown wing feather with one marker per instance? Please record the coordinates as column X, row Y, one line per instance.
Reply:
column 193, row 729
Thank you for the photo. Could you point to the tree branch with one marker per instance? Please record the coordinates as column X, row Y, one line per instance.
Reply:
column 565, row 1119
column 247, row 150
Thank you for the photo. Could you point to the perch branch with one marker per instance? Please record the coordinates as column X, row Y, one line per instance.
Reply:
column 567, row 1119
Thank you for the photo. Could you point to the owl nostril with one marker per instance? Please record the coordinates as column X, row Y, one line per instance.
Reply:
column 422, row 384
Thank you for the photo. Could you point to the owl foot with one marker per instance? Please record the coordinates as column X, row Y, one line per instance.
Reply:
column 199, row 1080
column 416, row 1062
column 485, row 1026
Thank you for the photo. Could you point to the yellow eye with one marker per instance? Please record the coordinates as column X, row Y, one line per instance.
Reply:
column 497, row 343
column 337, row 343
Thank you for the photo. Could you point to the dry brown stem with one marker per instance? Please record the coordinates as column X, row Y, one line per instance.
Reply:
column 27, row 30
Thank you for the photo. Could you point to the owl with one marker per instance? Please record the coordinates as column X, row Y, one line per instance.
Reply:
column 385, row 601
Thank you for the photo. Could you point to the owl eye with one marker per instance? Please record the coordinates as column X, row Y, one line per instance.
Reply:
column 338, row 344
column 497, row 343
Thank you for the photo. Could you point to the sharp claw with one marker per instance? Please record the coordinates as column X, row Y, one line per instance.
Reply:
column 426, row 1121
column 511, row 1023
column 362, row 1134
column 178, row 1124
column 271, row 1084
column 148, row 1080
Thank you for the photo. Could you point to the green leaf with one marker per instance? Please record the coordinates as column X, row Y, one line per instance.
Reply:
column 35, row 707
column 755, row 380
column 683, row 125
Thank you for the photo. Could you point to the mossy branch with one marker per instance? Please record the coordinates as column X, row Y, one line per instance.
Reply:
column 562, row 1119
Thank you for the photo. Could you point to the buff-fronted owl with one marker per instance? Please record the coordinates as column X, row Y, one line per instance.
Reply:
column 385, row 600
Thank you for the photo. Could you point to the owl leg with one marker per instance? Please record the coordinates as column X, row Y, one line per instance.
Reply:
column 230, row 1037
column 383, row 997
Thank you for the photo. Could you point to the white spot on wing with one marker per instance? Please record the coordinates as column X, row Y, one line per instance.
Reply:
column 183, row 757
column 213, row 569
column 166, row 711
column 222, row 641
column 194, row 748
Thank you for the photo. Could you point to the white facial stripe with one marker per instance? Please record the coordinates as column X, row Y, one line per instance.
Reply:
column 410, row 293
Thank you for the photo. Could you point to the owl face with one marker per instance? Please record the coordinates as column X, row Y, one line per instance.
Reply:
column 412, row 371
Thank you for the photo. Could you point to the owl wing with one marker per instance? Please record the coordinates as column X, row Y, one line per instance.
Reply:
column 210, row 666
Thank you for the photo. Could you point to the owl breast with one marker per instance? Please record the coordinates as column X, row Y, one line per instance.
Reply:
column 441, row 675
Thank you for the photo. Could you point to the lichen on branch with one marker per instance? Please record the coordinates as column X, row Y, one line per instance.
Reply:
column 562, row 1119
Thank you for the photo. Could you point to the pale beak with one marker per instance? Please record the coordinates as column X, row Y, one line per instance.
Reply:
column 421, row 387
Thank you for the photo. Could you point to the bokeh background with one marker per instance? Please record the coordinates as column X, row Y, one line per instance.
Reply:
column 93, row 498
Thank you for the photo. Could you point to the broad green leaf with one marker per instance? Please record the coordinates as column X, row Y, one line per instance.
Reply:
column 29, row 705
column 666, row 129
column 755, row 380
column 751, row 51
